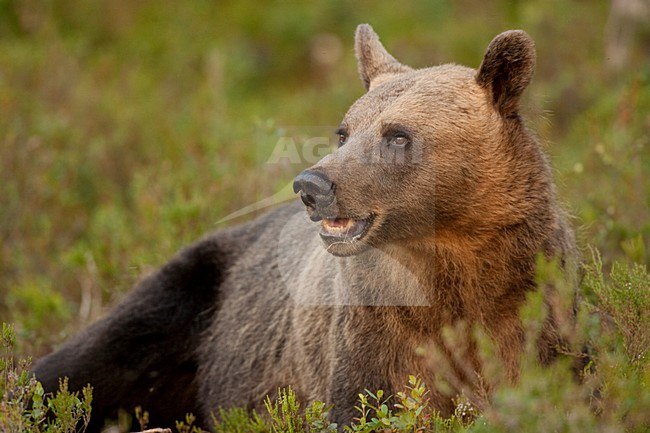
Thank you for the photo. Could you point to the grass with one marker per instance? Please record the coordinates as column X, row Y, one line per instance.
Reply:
column 129, row 129
column 24, row 406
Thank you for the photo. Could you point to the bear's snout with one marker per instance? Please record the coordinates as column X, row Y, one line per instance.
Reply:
column 316, row 192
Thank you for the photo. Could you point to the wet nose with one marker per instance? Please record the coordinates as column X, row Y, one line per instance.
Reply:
column 316, row 190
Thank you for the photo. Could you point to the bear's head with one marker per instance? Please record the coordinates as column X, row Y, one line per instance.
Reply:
column 429, row 153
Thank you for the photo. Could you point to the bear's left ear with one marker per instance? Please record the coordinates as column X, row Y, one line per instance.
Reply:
column 373, row 58
column 507, row 69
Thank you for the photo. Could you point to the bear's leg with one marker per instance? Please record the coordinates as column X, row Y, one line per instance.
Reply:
column 144, row 352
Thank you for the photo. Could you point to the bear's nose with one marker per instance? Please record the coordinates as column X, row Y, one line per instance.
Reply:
column 316, row 190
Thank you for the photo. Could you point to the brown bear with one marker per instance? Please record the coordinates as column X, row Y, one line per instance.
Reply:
column 430, row 213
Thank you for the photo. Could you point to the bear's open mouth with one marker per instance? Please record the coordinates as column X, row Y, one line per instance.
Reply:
column 345, row 229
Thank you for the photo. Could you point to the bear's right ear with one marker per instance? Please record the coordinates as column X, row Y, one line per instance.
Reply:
column 507, row 69
column 373, row 58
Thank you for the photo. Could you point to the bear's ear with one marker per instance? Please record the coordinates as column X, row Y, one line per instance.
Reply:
column 507, row 68
column 373, row 58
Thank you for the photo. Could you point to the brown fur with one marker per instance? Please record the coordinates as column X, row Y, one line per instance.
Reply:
column 456, row 219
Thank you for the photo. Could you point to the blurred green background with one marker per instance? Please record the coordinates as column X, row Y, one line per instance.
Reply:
column 130, row 128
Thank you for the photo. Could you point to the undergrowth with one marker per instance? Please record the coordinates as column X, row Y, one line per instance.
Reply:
column 611, row 393
column 25, row 407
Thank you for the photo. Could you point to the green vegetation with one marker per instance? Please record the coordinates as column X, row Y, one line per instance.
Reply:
column 610, row 394
column 129, row 129
column 24, row 405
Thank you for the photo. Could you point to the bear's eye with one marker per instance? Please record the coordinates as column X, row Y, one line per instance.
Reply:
column 343, row 135
column 399, row 140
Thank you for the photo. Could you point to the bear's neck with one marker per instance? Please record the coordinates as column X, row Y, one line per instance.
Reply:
column 443, row 280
